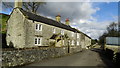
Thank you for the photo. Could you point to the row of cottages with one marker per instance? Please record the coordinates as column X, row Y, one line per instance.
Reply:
column 25, row 29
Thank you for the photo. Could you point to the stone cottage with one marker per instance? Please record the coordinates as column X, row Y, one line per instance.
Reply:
column 25, row 29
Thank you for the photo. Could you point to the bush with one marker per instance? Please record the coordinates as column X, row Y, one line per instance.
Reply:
column 117, row 59
column 109, row 54
column 4, row 44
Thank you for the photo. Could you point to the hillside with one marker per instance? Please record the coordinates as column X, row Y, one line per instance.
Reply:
column 3, row 19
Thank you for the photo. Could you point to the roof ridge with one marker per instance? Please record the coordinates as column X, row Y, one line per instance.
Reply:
column 44, row 17
column 46, row 20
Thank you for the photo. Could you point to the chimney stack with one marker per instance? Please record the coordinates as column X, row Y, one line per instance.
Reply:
column 58, row 17
column 18, row 3
column 67, row 22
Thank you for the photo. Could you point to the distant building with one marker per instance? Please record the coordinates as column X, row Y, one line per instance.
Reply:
column 112, row 43
column 25, row 29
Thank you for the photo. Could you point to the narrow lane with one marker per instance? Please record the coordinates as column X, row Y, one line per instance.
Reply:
column 84, row 58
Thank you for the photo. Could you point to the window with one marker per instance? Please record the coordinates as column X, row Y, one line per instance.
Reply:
column 63, row 42
column 72, row 34
column 38, row 40
column 77, row 42
column 38, row 27
column 78, row 35
column 62, row 32
column 53, row 30
column 72, row 42
column 35, row 40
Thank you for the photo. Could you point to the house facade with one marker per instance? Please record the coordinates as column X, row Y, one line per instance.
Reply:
column 25, row 29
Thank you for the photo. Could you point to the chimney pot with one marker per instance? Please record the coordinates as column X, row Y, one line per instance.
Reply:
column 67, row 21
column 58, row 17
column 18, row 3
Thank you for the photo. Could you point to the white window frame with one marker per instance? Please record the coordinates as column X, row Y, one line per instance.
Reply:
column 62, row 32
column 78, row 43
column 63, row 42
column 72, row 42
column 38, row 42
column 72, row 34
column 39, row 27
column 78, row 36
column 54, row 30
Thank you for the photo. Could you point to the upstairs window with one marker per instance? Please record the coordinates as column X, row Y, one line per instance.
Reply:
column 78, row 35
column 72, row 34
column 77, row 42
column 38, row 27
column 62, row 32
column 72, row 42
column 54, row 30
column 37, row 41
column 63, row 42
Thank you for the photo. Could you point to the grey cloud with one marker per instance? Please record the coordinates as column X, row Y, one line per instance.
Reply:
column 72, row 10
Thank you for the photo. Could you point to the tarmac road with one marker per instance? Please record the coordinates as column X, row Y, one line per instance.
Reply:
column 84, row 58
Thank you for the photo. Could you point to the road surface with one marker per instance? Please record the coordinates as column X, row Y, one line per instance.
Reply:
column 84, row 58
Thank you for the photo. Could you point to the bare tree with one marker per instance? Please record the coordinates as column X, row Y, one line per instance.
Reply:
column 32, row 6
column 9, row 5
column 112, row 27
column 29, row 6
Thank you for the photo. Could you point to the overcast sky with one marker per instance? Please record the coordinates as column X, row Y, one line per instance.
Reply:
column 92, row 18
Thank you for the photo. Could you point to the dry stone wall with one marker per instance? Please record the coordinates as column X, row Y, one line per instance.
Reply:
column 21, row 57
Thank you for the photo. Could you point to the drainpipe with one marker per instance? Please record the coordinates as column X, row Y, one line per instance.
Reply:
column 76, row 39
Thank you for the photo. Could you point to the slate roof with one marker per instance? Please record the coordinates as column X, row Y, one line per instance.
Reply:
column 82, row 33
column 45, row 20
column 48, row 21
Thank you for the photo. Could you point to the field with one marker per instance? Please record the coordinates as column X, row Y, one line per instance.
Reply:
column 3, row 20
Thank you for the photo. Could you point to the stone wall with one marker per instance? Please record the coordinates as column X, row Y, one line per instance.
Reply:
column 15, row 36
column 25, row 56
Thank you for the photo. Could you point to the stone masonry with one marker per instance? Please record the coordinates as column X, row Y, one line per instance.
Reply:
column 26, row 56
